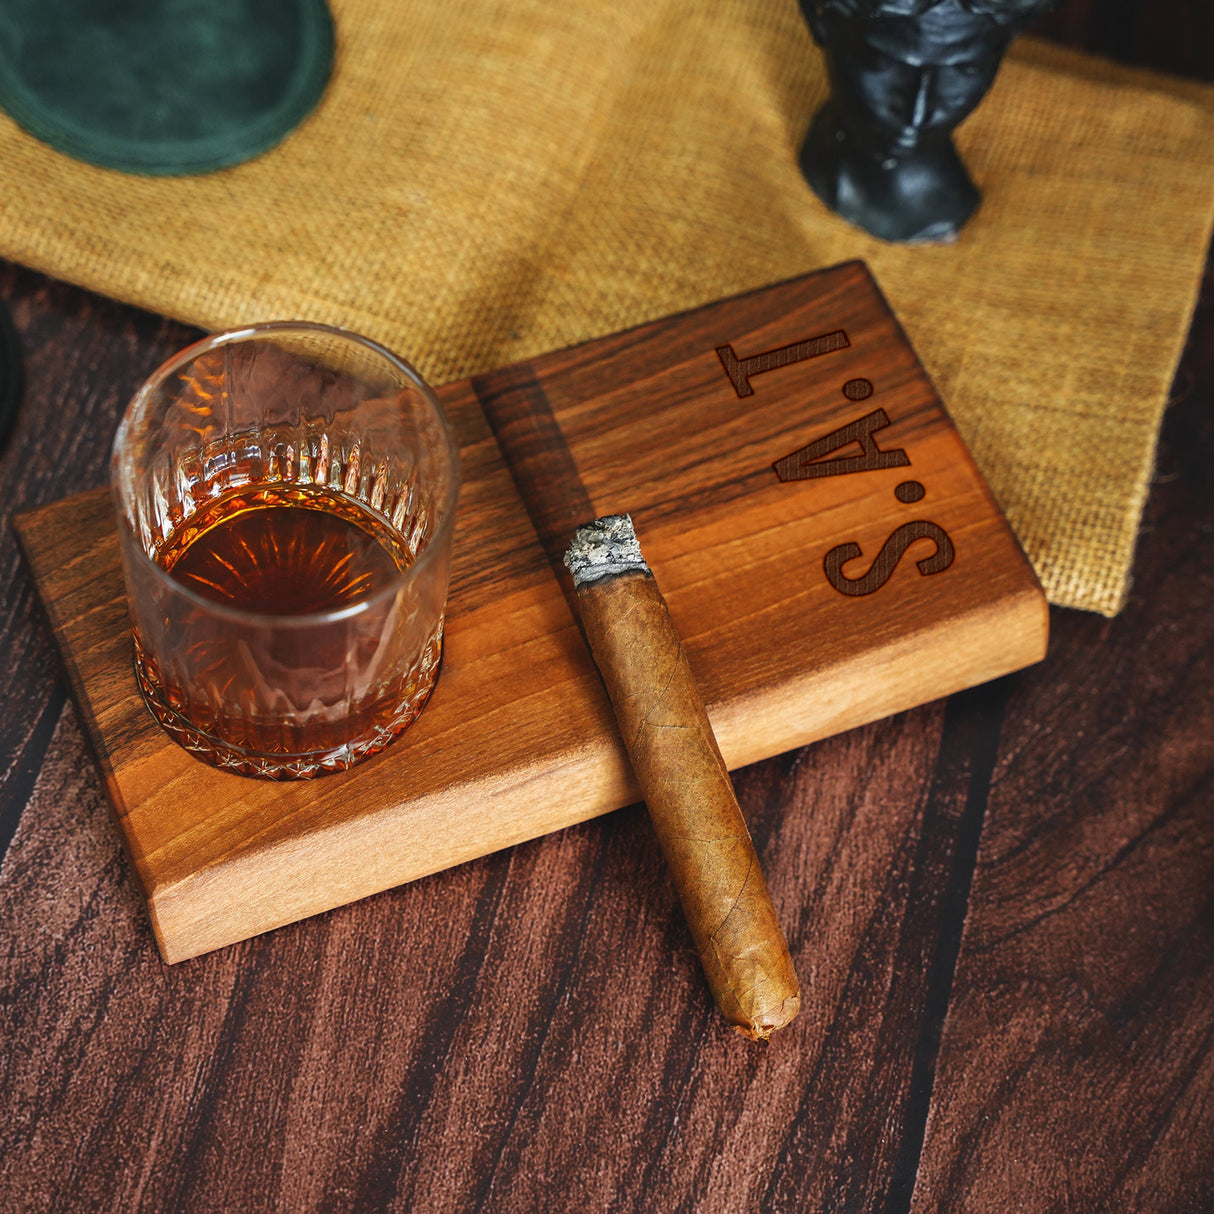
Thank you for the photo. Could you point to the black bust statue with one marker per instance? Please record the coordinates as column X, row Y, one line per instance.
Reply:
column 903, row 74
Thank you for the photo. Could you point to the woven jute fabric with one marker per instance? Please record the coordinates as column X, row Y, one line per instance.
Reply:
column 484, row 181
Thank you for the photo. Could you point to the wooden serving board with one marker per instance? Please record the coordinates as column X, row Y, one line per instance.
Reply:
column 827, row 546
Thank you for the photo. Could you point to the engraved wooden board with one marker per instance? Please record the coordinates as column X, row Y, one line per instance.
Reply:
column 827, row 547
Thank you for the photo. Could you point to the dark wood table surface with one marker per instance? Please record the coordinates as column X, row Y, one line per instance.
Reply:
column 1001, row 907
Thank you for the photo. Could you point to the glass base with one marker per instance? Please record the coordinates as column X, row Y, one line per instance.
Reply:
column 267, row 766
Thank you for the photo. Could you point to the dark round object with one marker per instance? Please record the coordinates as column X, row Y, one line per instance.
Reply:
column 910, row 491
column 161, row 88
column 858, row 389
column 10, row 373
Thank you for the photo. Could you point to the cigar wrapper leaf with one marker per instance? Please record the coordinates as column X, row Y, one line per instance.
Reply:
column 684, row 779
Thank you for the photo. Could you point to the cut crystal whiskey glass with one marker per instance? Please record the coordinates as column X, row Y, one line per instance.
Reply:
column 286, row 501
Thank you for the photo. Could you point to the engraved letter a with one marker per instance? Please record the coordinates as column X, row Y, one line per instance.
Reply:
column 807, row 463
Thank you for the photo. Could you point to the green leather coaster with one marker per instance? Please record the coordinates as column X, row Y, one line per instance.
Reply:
column 163, row 87
column 10, row 373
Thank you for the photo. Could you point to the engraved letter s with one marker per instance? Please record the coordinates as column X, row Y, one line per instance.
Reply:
column 882, row 568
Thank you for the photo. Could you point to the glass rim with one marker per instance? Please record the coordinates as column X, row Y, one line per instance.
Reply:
column 311, row 619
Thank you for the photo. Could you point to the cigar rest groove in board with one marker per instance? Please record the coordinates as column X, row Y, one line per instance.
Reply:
column 791, row 635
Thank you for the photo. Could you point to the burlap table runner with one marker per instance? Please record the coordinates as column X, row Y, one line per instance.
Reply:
column 485, row 181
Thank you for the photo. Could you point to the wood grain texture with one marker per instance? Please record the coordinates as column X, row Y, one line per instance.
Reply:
column 84, row 357
column 527, row 1031
column 518, row 739
column 1076, row 1070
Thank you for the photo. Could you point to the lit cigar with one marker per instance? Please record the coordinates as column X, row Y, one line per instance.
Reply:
column 684, row 780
